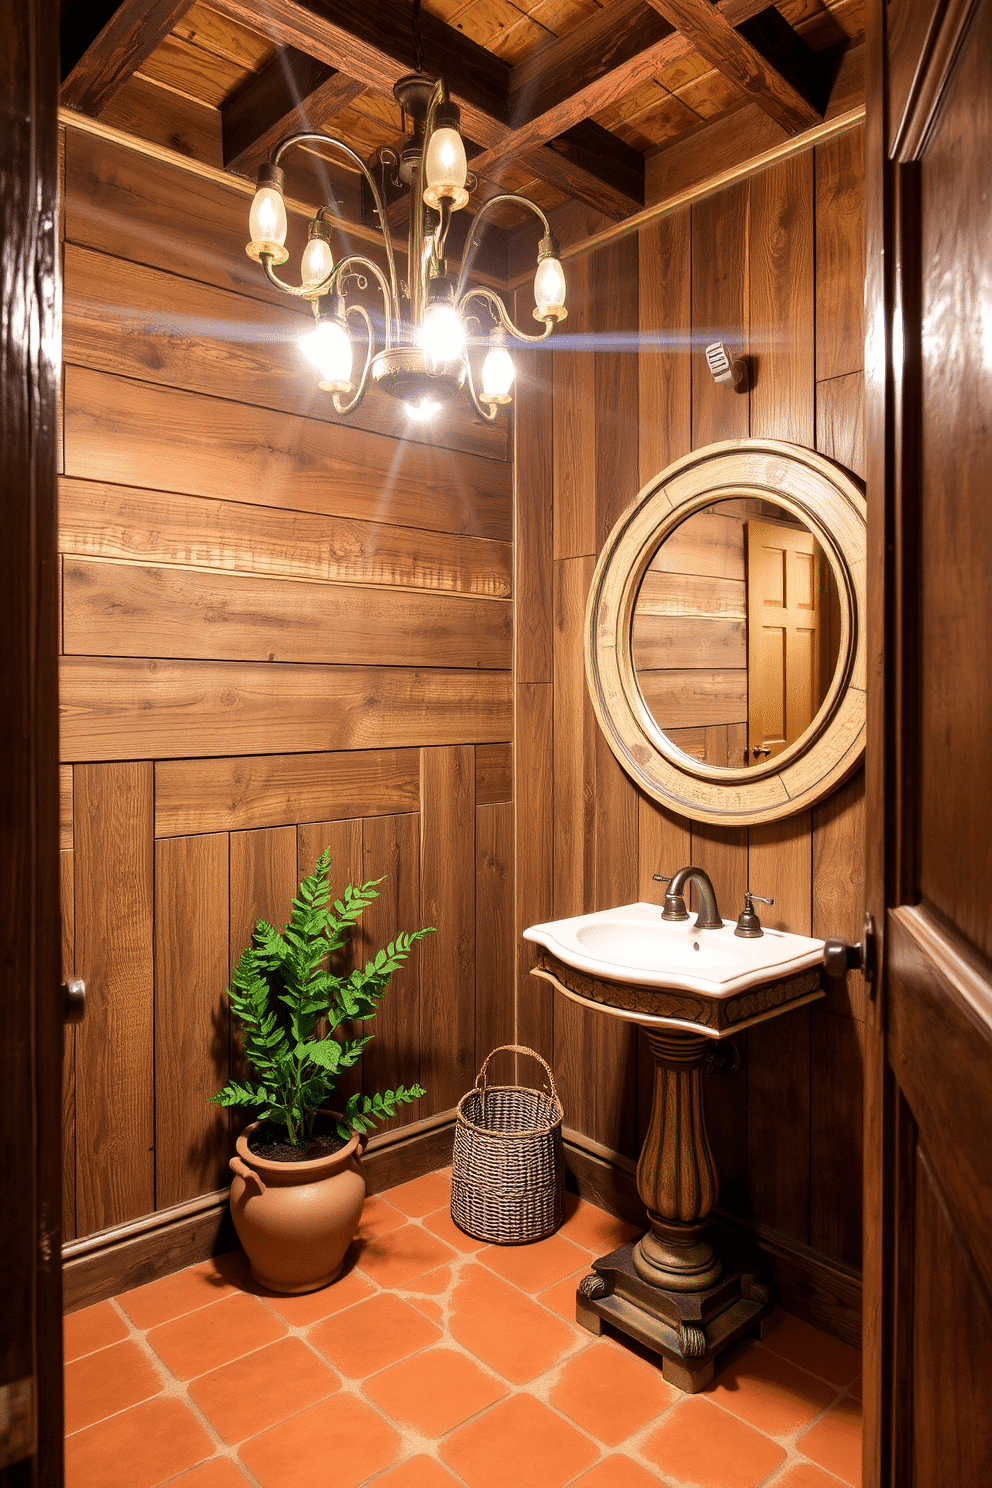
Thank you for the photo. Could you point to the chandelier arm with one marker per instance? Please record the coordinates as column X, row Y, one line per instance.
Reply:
column 356, row 159
column 477, row 221
column 486, row 411
column 499, row 311
column 340, row 271
column 345, row 407
column 416, row 247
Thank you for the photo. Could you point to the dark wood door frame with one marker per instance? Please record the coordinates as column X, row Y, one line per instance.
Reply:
column 931, row 982
column 30, row 1004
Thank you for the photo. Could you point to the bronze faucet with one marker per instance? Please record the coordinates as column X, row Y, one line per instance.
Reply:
column 708, row 917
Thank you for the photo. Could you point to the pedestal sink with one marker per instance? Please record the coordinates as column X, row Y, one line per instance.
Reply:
column 688, row 989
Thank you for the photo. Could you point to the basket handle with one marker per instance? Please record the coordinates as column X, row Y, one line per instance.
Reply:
column 480, row 1079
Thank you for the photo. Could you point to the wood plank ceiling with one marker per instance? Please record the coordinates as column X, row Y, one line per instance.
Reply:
column 569, row 102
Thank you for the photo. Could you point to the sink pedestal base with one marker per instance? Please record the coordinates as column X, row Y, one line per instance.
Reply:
column 669, row 1289
column 688, row 1329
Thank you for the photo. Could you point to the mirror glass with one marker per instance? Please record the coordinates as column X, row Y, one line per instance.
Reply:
column 735, row 634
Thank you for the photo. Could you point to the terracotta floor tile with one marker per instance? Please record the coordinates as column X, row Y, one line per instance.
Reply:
column 378, row 1218
column 418, row 1472
column 140, row 1447
column 219, row 1472
column 395, row 1258
column 705, row 1446
column 835, row 1442
column 432, row 1283
column 561, row 1297
column 832, row 1360
column 106, row 1382
column 443, row 1225
column 770, row 1392
column 610, row 1393
column 372, row 1335
column 215, row 1335
column 533, row 1267
column 617, row 1471
column 521, row 1442
column 91, row 1328
column 593, row 1228
column 805, row 1475
column 423, row 1195
column 246, row 1397
column 341, row 1441
column 300, row 1312
column 171, row 1296
column 434, row 1391
column 505, row 1329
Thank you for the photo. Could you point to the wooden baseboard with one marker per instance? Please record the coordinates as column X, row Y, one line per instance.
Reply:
column 822, row 1291
column 98, row 1266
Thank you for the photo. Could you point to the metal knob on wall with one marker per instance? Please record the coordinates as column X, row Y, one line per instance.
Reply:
column 839, row 957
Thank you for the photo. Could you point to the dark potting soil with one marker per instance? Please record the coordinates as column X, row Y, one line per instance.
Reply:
column 270, row 1142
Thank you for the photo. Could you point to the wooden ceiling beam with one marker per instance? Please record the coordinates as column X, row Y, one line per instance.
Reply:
column 292, row 93
column 373, row 44
column 103, row 45
column 772, row 81
column 601, row 61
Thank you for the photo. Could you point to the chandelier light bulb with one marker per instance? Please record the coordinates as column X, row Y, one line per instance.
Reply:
column 329, row 349
column 442, row 336
column 549, row 290
column 423, row 409
column 317, row 263
column 446, row 168
column 267, row 224
column 497, row 372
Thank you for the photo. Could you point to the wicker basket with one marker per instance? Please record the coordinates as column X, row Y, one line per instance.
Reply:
column 508, row 1176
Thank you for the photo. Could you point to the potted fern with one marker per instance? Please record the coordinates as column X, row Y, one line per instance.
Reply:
column 298, row 1185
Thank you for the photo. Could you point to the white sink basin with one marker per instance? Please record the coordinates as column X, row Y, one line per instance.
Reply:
column 634, row 944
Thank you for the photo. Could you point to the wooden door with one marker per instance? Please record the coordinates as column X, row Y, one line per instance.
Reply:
column 787, row 635
column 928, row 1244
column 30, row 1005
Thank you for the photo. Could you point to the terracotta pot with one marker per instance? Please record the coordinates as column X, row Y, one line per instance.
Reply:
column 295, row 1220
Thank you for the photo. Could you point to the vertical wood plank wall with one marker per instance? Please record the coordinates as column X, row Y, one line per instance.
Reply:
column 280, row 631
column 774, row 266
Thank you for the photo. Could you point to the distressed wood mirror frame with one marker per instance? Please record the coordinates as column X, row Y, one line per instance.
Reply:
column 830, row 503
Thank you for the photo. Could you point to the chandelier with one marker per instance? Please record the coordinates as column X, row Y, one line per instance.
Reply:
column 419, row 349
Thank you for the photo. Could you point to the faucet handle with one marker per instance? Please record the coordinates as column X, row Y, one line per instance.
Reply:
column 662, row 877
column 748, row 925
column 674, row 903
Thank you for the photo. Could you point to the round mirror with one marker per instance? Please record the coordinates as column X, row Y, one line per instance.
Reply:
column 735, row 635
column 724, row 638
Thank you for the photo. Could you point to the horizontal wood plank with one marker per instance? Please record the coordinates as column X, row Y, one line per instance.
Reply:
column 679, row 641
column 493, row 773
column 249, row 791
column 708, row 544
column 140, row 322
column 107, row 521
column 136, row 433
column 691, row 594
column 123, row 609
column 695, row 699
column 122, row 708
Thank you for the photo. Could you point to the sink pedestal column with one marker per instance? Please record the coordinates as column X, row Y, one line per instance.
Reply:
column 669, row 1289
column 676, row 1176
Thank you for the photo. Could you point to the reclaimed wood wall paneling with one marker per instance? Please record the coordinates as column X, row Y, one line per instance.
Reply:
column 342, row 600
column 773, row 265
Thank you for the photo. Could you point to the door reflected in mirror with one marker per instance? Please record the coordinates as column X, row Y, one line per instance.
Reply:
column 735, row 633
